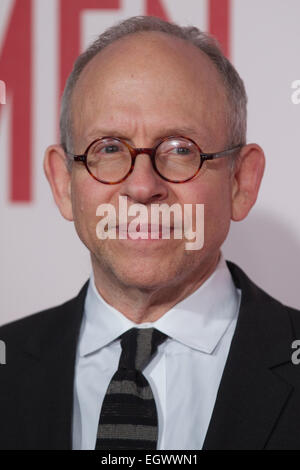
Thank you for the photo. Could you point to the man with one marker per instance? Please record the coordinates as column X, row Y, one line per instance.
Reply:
column 220, row 375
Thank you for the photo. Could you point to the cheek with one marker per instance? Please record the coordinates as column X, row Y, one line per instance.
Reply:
column 86, row 197
column 219, row 202
column 218, row 213
column 84, row 215
column 82, row 196
column 215, row 195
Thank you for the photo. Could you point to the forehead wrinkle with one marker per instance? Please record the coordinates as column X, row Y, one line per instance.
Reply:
column 147, row 134
column 146, row 130
column 133, row 121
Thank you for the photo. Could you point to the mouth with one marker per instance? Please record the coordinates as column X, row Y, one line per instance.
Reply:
column 150, row 232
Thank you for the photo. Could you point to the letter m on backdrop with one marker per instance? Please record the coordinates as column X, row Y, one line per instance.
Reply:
column 15, row 71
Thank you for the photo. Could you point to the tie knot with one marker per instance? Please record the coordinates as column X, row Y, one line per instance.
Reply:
column 138, row 347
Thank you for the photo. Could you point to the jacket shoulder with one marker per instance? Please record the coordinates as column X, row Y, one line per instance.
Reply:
column 43, row 321
column 264, row 302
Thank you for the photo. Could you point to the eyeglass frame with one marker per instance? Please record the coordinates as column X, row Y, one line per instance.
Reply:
column 151, row 152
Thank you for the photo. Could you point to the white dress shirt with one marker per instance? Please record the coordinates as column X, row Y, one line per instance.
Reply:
column 184, row 374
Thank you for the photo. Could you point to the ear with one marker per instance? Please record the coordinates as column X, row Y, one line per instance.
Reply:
column 247, row 176
column 59, row 179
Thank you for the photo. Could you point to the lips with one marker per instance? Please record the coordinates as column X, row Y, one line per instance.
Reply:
column 157, row 231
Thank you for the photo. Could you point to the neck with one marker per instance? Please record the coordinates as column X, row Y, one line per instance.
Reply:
column 148, row 304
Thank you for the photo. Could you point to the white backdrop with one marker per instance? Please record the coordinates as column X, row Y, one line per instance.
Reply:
column 43, row 262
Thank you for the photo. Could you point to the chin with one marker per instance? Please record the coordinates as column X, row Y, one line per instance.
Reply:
column 143, row 273
column 140, row 268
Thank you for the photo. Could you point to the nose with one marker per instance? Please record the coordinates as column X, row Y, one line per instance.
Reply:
column 144, row 185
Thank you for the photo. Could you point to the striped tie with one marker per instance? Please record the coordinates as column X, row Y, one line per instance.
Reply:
column 128, row 418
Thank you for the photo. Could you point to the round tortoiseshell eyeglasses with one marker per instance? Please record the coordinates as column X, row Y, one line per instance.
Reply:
column 176, row 159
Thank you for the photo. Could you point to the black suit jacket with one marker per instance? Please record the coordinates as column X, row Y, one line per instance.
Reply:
column 258, row 401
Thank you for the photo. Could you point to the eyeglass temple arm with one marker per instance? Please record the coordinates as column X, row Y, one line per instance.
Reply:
column 77, row 158
column 211, row 156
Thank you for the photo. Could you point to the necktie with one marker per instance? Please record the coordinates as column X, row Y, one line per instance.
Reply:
column 128, row 418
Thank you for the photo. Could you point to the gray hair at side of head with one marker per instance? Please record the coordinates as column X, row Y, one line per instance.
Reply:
column 236, row 117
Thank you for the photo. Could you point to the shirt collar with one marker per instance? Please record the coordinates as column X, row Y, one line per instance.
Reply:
column 198, row 321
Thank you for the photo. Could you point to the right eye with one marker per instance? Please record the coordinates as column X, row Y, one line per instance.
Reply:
column 112, row 148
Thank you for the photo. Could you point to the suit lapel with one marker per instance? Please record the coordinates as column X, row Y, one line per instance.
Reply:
column 251, row 395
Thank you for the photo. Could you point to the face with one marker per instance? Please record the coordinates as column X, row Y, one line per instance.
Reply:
column 141, row 89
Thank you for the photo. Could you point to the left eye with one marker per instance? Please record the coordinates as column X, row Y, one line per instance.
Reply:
column 182, row 150
column 110, row 148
